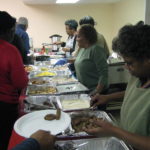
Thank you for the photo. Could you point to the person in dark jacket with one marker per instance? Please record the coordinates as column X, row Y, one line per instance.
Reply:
column 21, row 28
column 40, row 140
column 18, row 42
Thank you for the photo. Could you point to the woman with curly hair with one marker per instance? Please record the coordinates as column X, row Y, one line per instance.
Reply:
column 133, row 44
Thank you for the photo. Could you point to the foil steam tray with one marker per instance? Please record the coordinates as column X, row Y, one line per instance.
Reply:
column 42, row 63
column 62, row 80
column 92, row 144
column 42, row 90
column 72, row 88
column 39, row 81
column 34, row 103
column 71, row 134
column 73, row 102
column 42, row 74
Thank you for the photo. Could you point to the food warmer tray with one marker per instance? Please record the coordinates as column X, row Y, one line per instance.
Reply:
column 30, row 68
column 73, row 102
column 72, row 88
column 33, row 103
column 42, row 63
column 39, row 81
column 34, row 90
column 72, row 134
column 63, row 80
column 42, row 74
column 111, row 143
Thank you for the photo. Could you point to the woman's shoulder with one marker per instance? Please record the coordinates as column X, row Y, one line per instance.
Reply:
column 97, row 48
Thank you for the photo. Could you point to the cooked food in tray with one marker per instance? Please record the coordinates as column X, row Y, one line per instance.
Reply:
column 53, row 116
column 72, row 88
column 64, row 80
column 33, row 103
column 35, row 81
column 79, row 123
column 45, row 73
column 29, row 68
column 42, row 90
column 39, row 82
column 75, row 104
column 44, row 69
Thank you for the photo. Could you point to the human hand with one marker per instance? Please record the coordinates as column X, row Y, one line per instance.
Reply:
column 105, row 129
column 65, row 49
column 93, row 93
column 98, row 99
column 57, row 43
column 44, row 138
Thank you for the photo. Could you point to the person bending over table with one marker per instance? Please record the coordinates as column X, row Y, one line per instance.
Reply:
column 133, row 44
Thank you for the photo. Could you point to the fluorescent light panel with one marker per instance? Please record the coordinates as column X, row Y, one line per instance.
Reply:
column 67, row 1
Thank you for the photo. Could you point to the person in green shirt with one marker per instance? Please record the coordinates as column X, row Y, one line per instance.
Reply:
column 133, row 44
column 100, row 38
column 91, row 62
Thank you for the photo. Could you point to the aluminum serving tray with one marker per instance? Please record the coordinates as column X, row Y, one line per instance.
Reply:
column 111, row 143
column 63, row 80
column 45, row 74
column 33, row 103
column 39, row 81
column 30, row 68
column 73, row 102
column 66, row 73
column 42, row 63
column 57, row 56
column 71, row 134
column 72, row 88
column 41, row 90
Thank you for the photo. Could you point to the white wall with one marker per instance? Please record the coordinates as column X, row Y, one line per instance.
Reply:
column 45, row 20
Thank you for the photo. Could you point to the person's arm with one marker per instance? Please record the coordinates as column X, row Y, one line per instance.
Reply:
column 103, row 99
column 107, row 129
column 28, row 144
column 65, row 49
column 40, row 140
column 100, row 61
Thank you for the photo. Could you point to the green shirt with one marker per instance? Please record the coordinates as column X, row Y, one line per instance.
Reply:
column 135, row 111
column 91, row 67
column 102, row 42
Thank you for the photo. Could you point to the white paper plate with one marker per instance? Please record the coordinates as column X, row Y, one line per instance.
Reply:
column 30, row 123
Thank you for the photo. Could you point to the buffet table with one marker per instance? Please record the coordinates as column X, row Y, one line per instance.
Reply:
column 50, row 89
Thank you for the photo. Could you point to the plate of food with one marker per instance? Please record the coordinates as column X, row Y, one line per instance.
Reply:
column 54, row 121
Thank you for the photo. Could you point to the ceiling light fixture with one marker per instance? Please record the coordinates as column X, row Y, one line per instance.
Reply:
column 67, row 1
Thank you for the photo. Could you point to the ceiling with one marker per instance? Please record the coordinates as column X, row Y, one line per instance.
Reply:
column 44, row 2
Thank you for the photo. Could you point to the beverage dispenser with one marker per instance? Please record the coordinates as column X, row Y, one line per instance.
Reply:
column 55, row 38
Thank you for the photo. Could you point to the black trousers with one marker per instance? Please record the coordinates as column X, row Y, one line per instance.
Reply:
column 8, row 116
